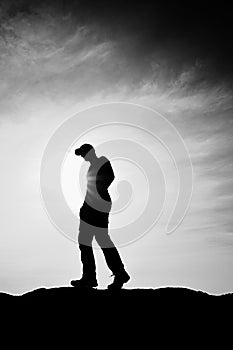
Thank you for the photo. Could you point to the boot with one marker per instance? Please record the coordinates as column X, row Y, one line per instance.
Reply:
column 85, row 282
column 119, row 279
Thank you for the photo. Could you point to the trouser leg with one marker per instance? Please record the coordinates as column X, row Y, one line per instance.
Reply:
column 85, row 238
column 113, row 260
column 88, row 261
column 110, row 252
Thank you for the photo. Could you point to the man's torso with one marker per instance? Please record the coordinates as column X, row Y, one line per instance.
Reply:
column 97, row 203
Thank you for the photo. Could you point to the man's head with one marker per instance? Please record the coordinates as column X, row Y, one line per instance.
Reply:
column 86, row 151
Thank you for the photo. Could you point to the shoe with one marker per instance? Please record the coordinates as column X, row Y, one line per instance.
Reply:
column 84, row 282
column 119, row 279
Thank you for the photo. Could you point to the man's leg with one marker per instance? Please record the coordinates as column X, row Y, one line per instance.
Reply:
column 88, row 262
column 111, row 253
column 86, row 234
column 113, row 260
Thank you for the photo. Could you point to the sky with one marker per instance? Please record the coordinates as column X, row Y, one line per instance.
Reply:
column 60, row 57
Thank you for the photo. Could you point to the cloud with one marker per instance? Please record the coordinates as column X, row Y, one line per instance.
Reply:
column 47, row 56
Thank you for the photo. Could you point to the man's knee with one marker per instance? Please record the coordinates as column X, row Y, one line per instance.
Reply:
column 103, row 239
column 85, row 240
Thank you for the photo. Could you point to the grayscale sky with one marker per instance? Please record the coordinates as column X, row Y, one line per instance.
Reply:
column 57, row 58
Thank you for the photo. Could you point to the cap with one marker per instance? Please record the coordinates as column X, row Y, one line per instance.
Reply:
column 83, row 150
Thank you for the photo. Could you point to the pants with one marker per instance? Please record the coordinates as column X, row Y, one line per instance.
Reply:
column 86, row 234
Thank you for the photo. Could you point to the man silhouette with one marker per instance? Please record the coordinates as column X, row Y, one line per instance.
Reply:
column 94, row 219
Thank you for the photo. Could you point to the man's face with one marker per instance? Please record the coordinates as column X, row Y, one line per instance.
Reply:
column 89, row 156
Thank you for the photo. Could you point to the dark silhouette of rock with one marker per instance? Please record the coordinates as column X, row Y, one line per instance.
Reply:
column 147, row 311
column 72, row 294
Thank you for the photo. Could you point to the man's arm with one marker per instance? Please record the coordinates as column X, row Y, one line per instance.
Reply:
column 106, row 174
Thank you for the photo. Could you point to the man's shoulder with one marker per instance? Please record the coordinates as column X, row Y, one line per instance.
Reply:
column 103, row 160
column 104, row 164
